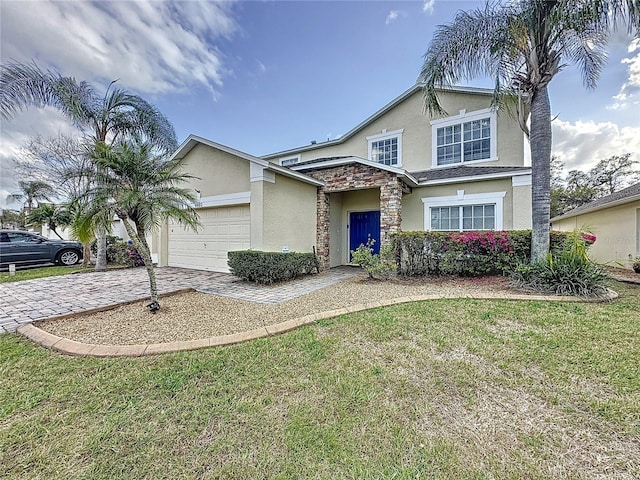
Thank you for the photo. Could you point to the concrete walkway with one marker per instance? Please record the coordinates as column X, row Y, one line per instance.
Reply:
column 24, row 302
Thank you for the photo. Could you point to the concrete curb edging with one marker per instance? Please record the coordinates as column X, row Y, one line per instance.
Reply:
column 71, row 347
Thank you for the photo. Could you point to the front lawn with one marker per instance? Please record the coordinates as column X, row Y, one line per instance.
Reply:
column 38, row 272
column 443, row 389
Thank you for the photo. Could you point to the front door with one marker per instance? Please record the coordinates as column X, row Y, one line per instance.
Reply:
column 362, row 227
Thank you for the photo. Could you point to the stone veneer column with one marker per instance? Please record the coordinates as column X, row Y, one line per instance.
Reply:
column 390, row 208
column 323, row 228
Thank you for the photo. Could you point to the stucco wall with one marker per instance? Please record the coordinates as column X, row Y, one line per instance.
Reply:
column 337, row 245
column 416, row 137
column 522, row 207
column 219, row 173
column 616, row 229
column 413, row 207
column 289, row 215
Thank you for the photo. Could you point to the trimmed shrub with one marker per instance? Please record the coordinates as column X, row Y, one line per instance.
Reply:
column 464, row 253
column 269, row 267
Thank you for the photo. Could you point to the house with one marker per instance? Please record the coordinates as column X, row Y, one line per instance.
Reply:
column 397, row 170
column 614, row 219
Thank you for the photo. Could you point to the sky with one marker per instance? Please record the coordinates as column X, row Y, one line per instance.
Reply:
column 266, row 76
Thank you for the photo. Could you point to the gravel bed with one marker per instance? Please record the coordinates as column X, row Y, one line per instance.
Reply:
column 190, row 316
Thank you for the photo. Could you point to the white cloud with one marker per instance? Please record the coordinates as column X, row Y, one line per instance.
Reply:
column 581, row 145
column 428, row 6
column 629, row 93
column 152, row 47
column 393, row 14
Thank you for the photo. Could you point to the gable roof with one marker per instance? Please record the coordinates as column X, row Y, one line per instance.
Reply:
column 396, row 101
column 627, row 195
column 327, row 162
column 194, row 140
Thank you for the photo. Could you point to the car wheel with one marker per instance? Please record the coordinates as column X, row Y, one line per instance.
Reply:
column 68, row 257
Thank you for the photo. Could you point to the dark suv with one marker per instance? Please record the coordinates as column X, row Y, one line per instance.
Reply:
column 27, row 248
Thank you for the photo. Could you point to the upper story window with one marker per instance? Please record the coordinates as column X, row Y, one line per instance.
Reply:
column 467, row 137
column 386, row 148
column 288, row 161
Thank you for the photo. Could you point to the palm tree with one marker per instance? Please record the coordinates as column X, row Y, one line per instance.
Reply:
column 30, row 192
column 522, row 45
column 144, row 190
column 115, row 116
column 51, row 215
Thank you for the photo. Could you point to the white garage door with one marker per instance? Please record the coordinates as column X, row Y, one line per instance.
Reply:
column 223, row 229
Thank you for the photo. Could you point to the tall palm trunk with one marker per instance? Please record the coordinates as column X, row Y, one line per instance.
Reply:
column 540, row 142
column 140, row 242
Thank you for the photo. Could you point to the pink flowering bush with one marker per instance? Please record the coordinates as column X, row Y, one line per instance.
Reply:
column 465, row 253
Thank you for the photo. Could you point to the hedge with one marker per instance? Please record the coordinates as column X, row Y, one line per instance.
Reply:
column 464, row 253
column 269, row 267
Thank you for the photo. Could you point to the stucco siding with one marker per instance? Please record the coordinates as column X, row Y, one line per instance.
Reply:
column 616, row 229
column 289, row 215
column 219, row 173
column 337, row 244
column 413, row 207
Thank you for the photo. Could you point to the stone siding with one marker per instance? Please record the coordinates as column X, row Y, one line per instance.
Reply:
column 356, row 176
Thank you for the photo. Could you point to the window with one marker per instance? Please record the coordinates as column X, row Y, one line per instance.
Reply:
column 286, row 162
column 386, row 148
column 474, row 217
column 464, row 212
column 467, row 137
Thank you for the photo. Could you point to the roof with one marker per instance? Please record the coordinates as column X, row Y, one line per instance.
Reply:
column 193, row 140
column 462, row 173
column 627, row 195
column 396, row 101
column 328, row 162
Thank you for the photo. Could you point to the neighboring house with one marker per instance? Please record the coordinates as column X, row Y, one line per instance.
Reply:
column 614, row 219
column 397, row 170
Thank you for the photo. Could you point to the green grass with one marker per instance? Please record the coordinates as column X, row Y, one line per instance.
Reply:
column 38, row 272
column 463, row 389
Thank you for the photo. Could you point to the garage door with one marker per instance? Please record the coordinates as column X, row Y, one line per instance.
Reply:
column 223, row 229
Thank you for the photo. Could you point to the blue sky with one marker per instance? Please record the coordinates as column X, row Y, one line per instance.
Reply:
column 267, row 76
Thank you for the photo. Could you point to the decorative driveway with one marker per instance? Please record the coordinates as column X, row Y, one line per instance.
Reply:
column 30, row 300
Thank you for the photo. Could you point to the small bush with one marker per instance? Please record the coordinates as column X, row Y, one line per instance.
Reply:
column 377, row 265
column 568, row 272
column 270, row 267
column 120, row 252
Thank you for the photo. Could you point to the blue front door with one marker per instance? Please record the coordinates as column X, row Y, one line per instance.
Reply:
column 362, row 227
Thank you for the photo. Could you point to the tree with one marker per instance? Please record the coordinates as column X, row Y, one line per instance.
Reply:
column 614, row 173
column 10, row 219
column 522, row 45
column 117, row 115
column 578, row 188
column 143, row 189
column 51, row 215
column 30, row 192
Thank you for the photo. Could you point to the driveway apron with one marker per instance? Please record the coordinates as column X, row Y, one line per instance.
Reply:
column 30, row 300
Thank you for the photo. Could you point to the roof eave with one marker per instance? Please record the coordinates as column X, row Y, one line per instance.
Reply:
column 596, row 208
column 474, row 178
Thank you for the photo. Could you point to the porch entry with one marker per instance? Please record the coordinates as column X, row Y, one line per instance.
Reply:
column 362, row 227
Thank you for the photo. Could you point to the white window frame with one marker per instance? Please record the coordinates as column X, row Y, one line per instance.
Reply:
column 464, row 117
column 461, row 200
column 386, row 136
column 287, row 159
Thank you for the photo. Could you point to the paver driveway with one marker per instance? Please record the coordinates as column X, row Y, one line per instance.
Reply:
column 30, row 300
